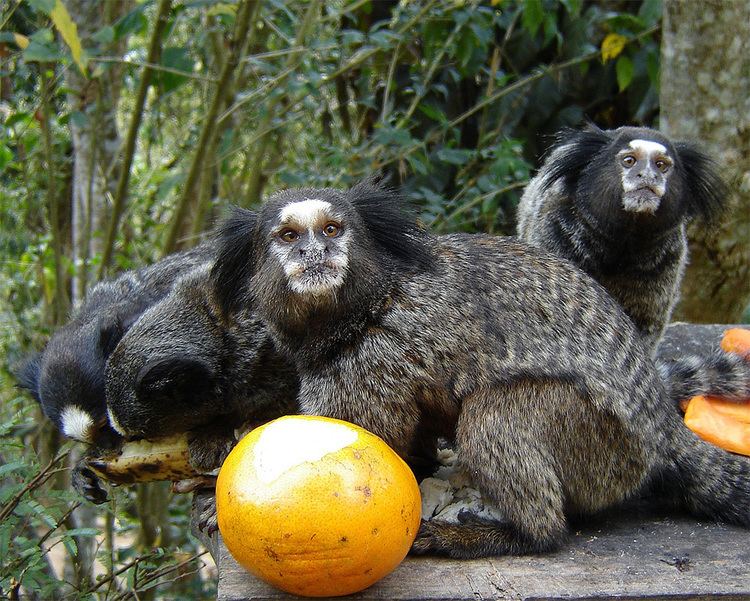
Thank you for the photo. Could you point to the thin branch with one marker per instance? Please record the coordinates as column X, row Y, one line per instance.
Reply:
column 153, row 67
column 478, row 200
column 388, row 81
column 245, row 16
column 9, row 15
column 154, row 49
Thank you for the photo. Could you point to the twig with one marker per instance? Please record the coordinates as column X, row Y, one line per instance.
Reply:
column 478, row 200
column 153, row 67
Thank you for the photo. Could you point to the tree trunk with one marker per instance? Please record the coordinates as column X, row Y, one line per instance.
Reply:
column 705, row 98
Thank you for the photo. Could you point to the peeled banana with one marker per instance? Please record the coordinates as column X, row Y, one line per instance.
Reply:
column 146, row 461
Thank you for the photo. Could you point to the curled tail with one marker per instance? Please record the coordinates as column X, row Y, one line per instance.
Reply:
column 707, row 480
column 719, row 374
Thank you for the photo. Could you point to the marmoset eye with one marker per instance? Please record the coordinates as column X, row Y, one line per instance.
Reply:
column 289, row 235
column 331, row 230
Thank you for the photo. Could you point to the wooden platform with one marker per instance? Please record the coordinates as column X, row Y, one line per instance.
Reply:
column 636, row 552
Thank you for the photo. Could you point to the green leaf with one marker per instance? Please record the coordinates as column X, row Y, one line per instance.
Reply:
column 624, row 69
column 41, row 53
column 44, row 6
column 82, row 532
column 455, row 156
column 651, row 11
column 417, row 164
column 626, row 22
column 15, row 465
column 69, row 32
column 175, row 58
column 134, row 22
column 222, row 8
column 573, row 7
column 42, row 36
column 79, row 119
column 433, row 113
column 550, row 28
column 533, row 15
column 106, row 35
column 19, row 117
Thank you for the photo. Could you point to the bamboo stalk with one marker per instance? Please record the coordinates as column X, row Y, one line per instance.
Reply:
column 118, row 206
column 60, row 304
column 254, row 186
column 245, row 16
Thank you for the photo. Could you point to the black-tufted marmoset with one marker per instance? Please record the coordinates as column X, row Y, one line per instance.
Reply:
column 617, row 203
column 67, row 376
column 543, row 382
column 187, row 367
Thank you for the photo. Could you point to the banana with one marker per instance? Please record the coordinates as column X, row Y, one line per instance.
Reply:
column 146, row 461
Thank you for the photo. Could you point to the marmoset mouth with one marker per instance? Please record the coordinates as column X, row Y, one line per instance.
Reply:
column 642, row 200
column 325, row 268
column 317, row 278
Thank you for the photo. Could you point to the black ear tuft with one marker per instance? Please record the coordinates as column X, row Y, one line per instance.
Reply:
column 109, row 336
column 392, row 225
column 706, row 193
column 582, row 145
column 180, row 379
column 233, row 268
column 27, row 374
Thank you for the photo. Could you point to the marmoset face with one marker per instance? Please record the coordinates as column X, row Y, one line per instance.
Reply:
column 310, row 241
column 645, row 167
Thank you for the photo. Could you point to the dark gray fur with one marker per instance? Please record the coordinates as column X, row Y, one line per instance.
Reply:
column 551, row 396
column 574, row 208
column 187, row 367
column 69, row 371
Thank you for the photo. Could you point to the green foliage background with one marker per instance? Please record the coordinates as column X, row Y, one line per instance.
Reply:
column 455, row 100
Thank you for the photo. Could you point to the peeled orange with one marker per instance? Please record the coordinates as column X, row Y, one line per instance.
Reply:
column 722, row 423
column 737, row 340
column 316, row 506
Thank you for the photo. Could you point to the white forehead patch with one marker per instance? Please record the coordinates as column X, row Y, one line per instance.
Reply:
column 305, row 213
column 76, row 423
column 648, row 146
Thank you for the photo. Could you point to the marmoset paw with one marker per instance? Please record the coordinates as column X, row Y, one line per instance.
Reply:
column 87, row 484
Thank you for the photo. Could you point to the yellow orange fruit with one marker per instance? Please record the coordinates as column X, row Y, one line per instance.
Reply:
column 317, row 506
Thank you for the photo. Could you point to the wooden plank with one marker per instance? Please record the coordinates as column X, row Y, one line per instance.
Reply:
column 637, row 552
column 633, row 554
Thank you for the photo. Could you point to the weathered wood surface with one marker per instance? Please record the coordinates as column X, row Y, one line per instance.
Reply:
column 637, row 552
